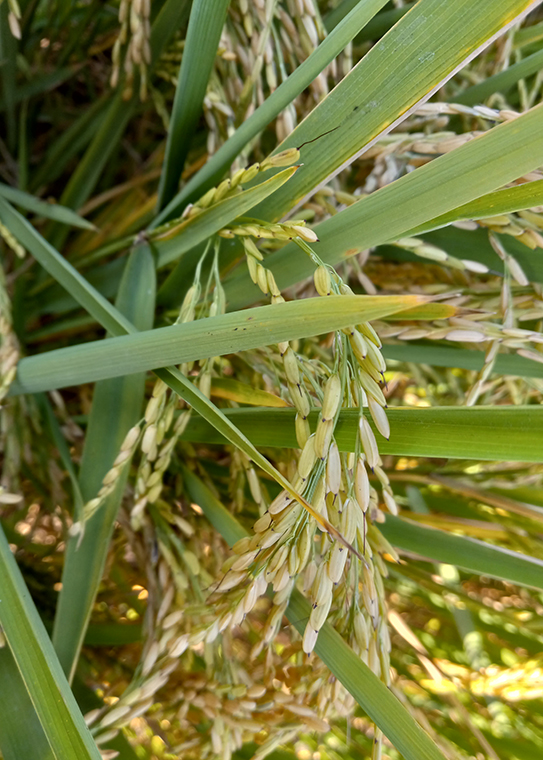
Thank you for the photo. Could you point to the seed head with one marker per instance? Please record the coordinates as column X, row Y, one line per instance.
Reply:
column 323, row 283
column 332, row 397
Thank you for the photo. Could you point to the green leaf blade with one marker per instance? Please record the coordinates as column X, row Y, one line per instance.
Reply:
column 41, row 208
column 508, row 433
column 55, row 705
column 468, row 553
column 443, row 356
column 206, row 22
column 215, row 336
column 21, row 734
column 505, row 201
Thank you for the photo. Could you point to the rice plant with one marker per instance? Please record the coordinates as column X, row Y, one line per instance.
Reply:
column 271, row 316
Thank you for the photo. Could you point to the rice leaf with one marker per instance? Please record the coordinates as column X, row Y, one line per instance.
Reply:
column 205, row 27
column 21, row 734
column 201, row 339
column 503, row 81
column 41, row 208
column 509, row 433
column 443, row 356
column 505, row 201
column 55, row 705
column 468, row 553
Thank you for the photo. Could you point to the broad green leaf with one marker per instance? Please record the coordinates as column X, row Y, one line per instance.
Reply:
column 443, row 356
column 501, row 82
column 489, row 161
column 411, row 62
column 509, row 433
column 54, row 703
column 372, row 695
column 467, row 553
column 116, row 407
column 184, row 235
column 506, row 201
column 218, row 164
column 201, row 339
column 21, row 734
column 206, row 23
column 41, row 208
